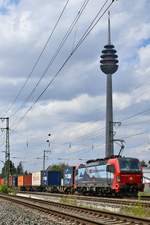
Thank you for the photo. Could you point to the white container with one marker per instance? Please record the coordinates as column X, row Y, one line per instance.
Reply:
column 36, row 179
column 62, row 182
column 146, row 175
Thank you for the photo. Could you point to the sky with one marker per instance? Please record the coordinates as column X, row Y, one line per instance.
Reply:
column 72, row 109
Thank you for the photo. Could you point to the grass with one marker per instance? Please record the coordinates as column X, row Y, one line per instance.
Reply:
column 141, row 194
column 68, row 200
column 137, row 210
column 5, row 189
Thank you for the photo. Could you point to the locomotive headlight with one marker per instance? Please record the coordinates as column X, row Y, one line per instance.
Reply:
column 118, row 179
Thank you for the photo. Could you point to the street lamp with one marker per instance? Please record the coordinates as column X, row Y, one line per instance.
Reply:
column 48, row 141
column 46, row 151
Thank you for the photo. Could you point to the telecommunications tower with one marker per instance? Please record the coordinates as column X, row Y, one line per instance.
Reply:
column 109, row 65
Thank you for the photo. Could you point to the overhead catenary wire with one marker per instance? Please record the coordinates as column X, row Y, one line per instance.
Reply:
column 85, row 126
column 54, row 56
column 92, row 137
column 134, row 135
column 38, row 58
column 94, row 22
column 131, row 117
column 136, row 123
column 136, row 114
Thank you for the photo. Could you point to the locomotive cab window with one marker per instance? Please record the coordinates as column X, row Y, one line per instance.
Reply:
column 128, row 164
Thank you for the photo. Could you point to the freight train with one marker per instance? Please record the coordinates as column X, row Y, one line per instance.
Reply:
column 113, row 176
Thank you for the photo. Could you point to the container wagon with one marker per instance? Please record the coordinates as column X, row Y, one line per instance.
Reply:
column 13, row 181
column 25, row 182
column 37, row 181
column 52, row 181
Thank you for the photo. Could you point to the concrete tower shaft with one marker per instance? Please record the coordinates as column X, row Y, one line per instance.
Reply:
column 109, row 65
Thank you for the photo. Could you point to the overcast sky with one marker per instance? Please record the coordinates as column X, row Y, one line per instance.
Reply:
column 72, row 109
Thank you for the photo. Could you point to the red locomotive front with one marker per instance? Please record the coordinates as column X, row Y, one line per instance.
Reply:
column 127, row 175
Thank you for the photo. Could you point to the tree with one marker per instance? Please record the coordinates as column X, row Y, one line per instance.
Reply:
column 25, row 172
column 57, row 167
column 13, row 170
column 19, row 169
column 143, row 163
column 11, row 166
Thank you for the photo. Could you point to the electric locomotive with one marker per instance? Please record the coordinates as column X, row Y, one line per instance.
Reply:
column 113, row 176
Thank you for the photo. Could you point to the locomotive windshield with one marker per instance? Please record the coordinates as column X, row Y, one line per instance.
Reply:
column 129, row 165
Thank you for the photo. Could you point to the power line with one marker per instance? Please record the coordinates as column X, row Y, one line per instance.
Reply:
column 55, row 54
column 39, row 57
column 136, row 114
column 135, row 123
column 94, row 22
column 134, row 135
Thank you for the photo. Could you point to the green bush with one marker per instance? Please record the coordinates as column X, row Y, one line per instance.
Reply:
column 4, row 188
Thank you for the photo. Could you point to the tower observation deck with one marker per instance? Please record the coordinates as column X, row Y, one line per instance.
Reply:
column 109, row 65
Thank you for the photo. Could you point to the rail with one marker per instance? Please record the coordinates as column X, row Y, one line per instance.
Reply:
column 76, row 214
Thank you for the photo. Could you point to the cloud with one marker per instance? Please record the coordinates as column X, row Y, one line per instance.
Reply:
column 73, row 108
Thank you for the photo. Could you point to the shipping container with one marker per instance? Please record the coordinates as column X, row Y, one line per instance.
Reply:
column 37, row 178
column 146, row 175
column 44, row 178
column 14, row 181
column 51, row 178
column 54, row 178
column 146, row 179
column 10, row 180
column 1, row 181
column 27, row 180
column 20, row 181
column 62, row 182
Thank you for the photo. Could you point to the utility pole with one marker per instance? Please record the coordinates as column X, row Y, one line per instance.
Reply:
column 7, row 149
column 109, row 65
column 44, row 157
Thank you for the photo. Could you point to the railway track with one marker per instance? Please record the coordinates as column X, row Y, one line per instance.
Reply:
column 77, row 215
column 115, row 201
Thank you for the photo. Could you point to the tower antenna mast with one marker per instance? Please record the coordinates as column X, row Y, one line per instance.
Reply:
column 109, row 65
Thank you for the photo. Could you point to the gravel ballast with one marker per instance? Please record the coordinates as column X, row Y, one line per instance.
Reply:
column 13, row 214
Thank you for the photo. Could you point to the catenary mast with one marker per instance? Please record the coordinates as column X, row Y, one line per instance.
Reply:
column 109, row 65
